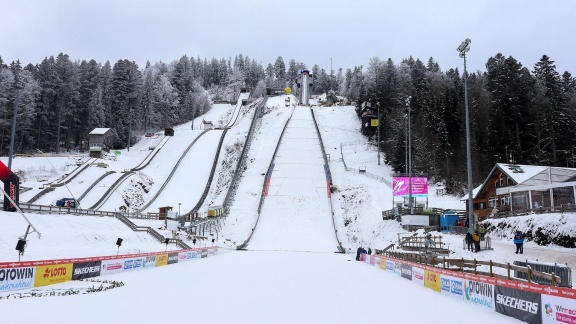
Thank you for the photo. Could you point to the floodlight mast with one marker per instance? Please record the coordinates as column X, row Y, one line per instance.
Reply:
column 463, row 49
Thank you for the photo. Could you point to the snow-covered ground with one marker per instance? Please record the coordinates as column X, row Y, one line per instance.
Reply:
column 251, row 286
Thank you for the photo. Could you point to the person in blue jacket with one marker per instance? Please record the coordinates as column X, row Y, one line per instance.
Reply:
column 359, row 253
column 519, row 241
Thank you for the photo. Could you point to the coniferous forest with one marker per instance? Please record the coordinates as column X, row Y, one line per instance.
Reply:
column 518, row 114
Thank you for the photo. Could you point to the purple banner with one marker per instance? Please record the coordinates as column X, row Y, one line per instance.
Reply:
column 419, row 186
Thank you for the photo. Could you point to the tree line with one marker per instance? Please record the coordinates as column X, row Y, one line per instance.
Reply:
column 516, row 115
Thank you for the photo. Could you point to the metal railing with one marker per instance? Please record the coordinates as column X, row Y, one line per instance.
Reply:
column 359, row 171
column 560, row 270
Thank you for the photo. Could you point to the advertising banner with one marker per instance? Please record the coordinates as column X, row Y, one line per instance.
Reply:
column 406, row 271
column 390, row 265
column 17, row 278
column 523, row 305
column 376, row 261
column 418, row 276
column 398, row 268
column 182, row 257
column 133, row 264
column 53, row 274
column 372, row 259
column 149, row 262
column 432, row 280
column 479, row 293
column 557, row 309
column 204, row 254
column 83, row 270
column 161, row 260
column 419, row 186
column 452, row 286
column 172, row 258
column 111, row 266
column 382, row 263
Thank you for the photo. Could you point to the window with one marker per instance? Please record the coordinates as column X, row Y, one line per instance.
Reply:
column 505, row 201
column 501, row 181
column 492, row 202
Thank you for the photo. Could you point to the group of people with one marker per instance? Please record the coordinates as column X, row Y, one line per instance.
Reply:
column 473, row 241
column 361, row 251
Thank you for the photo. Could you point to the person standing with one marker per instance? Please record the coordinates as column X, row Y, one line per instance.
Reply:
column 482, row 230
column 428, row 241
column 469, row 241
column 476, row 239
column 358, row 252
column 519, row 241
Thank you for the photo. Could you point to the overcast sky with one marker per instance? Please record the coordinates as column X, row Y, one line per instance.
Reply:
column 312, row 31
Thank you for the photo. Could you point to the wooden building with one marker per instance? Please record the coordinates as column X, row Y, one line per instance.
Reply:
column 519, row 188
column 369, row 116
column 100, row 139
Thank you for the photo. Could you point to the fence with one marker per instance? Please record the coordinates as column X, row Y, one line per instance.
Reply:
column 563, row 271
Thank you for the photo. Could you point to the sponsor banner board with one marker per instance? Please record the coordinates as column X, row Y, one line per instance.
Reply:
column 390, row 265
column 53, row 274
column 480, row 293
column 432, row 280
column 406, row 271
column 376, row 261
column 149, row 261
column 372, row 259
column 418, row 275
column 523, row 305
column 17, row 278
column 382, row 264
column 216, row 251
column 83, row 270
column 172, row 258
column 161, row 260
column 204, row 253
column 452, row 286
column 398, row 268
column 133, row 264
column 182, row 256
column 557, row 309
column 400, row 186
column 111, row 266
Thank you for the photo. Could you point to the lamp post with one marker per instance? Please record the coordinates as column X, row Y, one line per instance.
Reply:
column 130, row 130
column 463, row 49
column 18, row 85
column 378, row 104
column 409, row 156
column 179, row 209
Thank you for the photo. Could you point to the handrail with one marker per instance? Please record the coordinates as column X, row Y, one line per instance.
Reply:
column 110, row 190
column 154, row 153
column 107, row 173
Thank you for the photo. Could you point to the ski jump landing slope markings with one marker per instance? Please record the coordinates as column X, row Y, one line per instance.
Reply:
column 296, row 214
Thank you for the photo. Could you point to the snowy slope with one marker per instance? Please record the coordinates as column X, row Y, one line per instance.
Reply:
column 296, row 214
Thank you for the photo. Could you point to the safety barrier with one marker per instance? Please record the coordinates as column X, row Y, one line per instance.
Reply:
column 560, row 270
column 528, row 302
column 32, row 274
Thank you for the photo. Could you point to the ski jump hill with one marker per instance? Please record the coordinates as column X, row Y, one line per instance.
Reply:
column 296, row 214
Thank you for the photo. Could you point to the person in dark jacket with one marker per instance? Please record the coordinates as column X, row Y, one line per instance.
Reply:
column 469, row 241
column 358, row 252
column 519, row 241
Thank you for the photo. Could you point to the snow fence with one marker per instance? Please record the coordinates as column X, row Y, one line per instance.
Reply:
column 31, row 274
column 528, row 302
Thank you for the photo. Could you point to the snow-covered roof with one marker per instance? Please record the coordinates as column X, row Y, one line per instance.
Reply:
column 99, row 131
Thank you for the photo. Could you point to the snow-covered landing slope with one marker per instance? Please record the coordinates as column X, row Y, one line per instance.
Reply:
column 296, row 214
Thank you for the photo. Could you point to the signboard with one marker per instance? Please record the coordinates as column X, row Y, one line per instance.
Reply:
column 133, row 264
column 479, row 293
column 52, row 274
column 374, row 122
column 111, row 266
column 420, row 220
column 452, row 286
column 18, row 278
column 418, row 276
column 406, row 271
column 149, row 262
column 85, row 270
column 523, row 305
column 557, row 310
column 161, row 260
column 432, row 280
column 419, row 186
column 172, row 258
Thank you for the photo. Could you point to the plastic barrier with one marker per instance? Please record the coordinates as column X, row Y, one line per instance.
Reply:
column 527, row 302
column 30, row 274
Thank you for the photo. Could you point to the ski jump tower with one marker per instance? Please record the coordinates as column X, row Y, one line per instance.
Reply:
column 304, row 82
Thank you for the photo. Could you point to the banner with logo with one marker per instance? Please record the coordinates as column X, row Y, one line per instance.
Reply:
column 479, row 293
column 172, row 258
column 432, row 280
column 523, row 305
column 452, row 286
column 53, row 274
column 133, row 264
column 17, row 278
column 390, row 265
column 398, row 268
column 111, row 266
column 149, row 262
column 557, row 309
column 161, row 260
column 406, row 271
column 83, row 270
column 204, row 254
column 382, row 263
column 418, row 275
